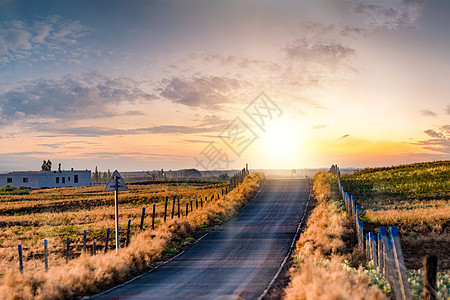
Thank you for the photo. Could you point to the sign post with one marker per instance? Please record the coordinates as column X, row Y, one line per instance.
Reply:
column 116, row 184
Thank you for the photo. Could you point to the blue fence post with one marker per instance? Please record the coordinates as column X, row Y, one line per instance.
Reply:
column 108, row 231
column 128, row 233
column 165, row 209
column 19, row 248
column 153, row 216
column 84, row 241
column 142, row 218
column 400, row 263
column 45, row 256
column 67, row 250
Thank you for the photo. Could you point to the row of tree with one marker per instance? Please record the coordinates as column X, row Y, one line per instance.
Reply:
column 101, row 177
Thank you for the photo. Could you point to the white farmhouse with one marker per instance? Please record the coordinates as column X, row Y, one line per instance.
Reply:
column 46, row 179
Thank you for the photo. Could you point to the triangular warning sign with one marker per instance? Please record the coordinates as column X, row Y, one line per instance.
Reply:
column 111, row 185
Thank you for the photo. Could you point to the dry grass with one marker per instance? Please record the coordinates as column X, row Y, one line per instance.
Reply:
column 319, row 272
column 90, row 274
column 55, row 214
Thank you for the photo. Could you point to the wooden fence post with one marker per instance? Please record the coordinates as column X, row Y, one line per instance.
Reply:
column 374, row 250
column 68, row 250
column 94, row 251
column 191, row 205
column 153, row 216
column 400, row 263
column 187, row 209
column 429, row 277
column 178, row 206
column 201, row 202
column 165, row 209
column 367, row 248
column 128, row 233
column 196, row 203
column 84, row 241
column 392, row 272
column 45, row 256
column 173, row 206
column 380, row 254
column 142, row 218
column 108, row 231
column 19, row 248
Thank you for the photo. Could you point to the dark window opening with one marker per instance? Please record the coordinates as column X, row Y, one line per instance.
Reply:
column 25, row 179
column 64, row 180
column 75, row 178
column 68, row 178
column 57, row 179
column 9, row 180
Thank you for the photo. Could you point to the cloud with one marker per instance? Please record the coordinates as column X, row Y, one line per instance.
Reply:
column 427, row 113
column 319, row 52
column 390, row 15
column 440, row 140
column 434, row 134
column 40, row 39
column 49, row 129
column 74, row 96
column 447, row 110
column 319, row 126
column 209, row 92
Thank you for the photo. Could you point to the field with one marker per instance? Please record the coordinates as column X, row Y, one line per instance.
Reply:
column 57, row 214
column 414, row 197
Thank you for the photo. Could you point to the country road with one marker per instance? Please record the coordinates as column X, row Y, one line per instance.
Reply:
column 235, row 261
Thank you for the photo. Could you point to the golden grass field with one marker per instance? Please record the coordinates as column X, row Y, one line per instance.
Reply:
column 55, row 214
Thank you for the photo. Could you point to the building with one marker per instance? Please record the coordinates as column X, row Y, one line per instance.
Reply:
column 46, row 179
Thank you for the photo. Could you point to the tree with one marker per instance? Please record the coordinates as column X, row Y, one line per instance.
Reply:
column 46, row 165
column 96, row 175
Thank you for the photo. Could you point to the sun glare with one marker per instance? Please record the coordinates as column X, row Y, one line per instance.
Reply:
column 281, row 144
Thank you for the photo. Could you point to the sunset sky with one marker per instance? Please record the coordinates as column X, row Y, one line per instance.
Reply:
column 141, row 85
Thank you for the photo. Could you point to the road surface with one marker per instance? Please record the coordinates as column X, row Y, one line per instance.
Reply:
column 235, row 261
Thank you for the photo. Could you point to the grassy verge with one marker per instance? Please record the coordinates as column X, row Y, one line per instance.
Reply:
column 88, row 275
column 325, row 254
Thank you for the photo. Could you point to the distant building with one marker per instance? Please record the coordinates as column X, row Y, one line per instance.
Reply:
column 46, row 179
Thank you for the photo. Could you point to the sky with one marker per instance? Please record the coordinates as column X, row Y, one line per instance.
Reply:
column 144, row 85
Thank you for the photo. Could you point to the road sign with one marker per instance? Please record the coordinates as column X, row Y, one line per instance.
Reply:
column 116, row 184
column 111, row 185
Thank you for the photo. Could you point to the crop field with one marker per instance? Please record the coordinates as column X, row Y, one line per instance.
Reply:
column 414, row 197
column 57, row 214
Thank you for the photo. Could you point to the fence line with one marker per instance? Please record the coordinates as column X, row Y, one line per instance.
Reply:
column 383, row 251
column 235, row 180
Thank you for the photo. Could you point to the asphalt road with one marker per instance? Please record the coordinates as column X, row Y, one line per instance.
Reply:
column 238, row 259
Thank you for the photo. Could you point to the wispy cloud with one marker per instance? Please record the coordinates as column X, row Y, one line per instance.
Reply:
column 391, row 14
column 74, row 96
column 49, row 129
column 209, row 92
column 40, row 39
column 319, row 52
column 319, row 126
column 447, row 110
column 427, row 113
column 439, row 139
